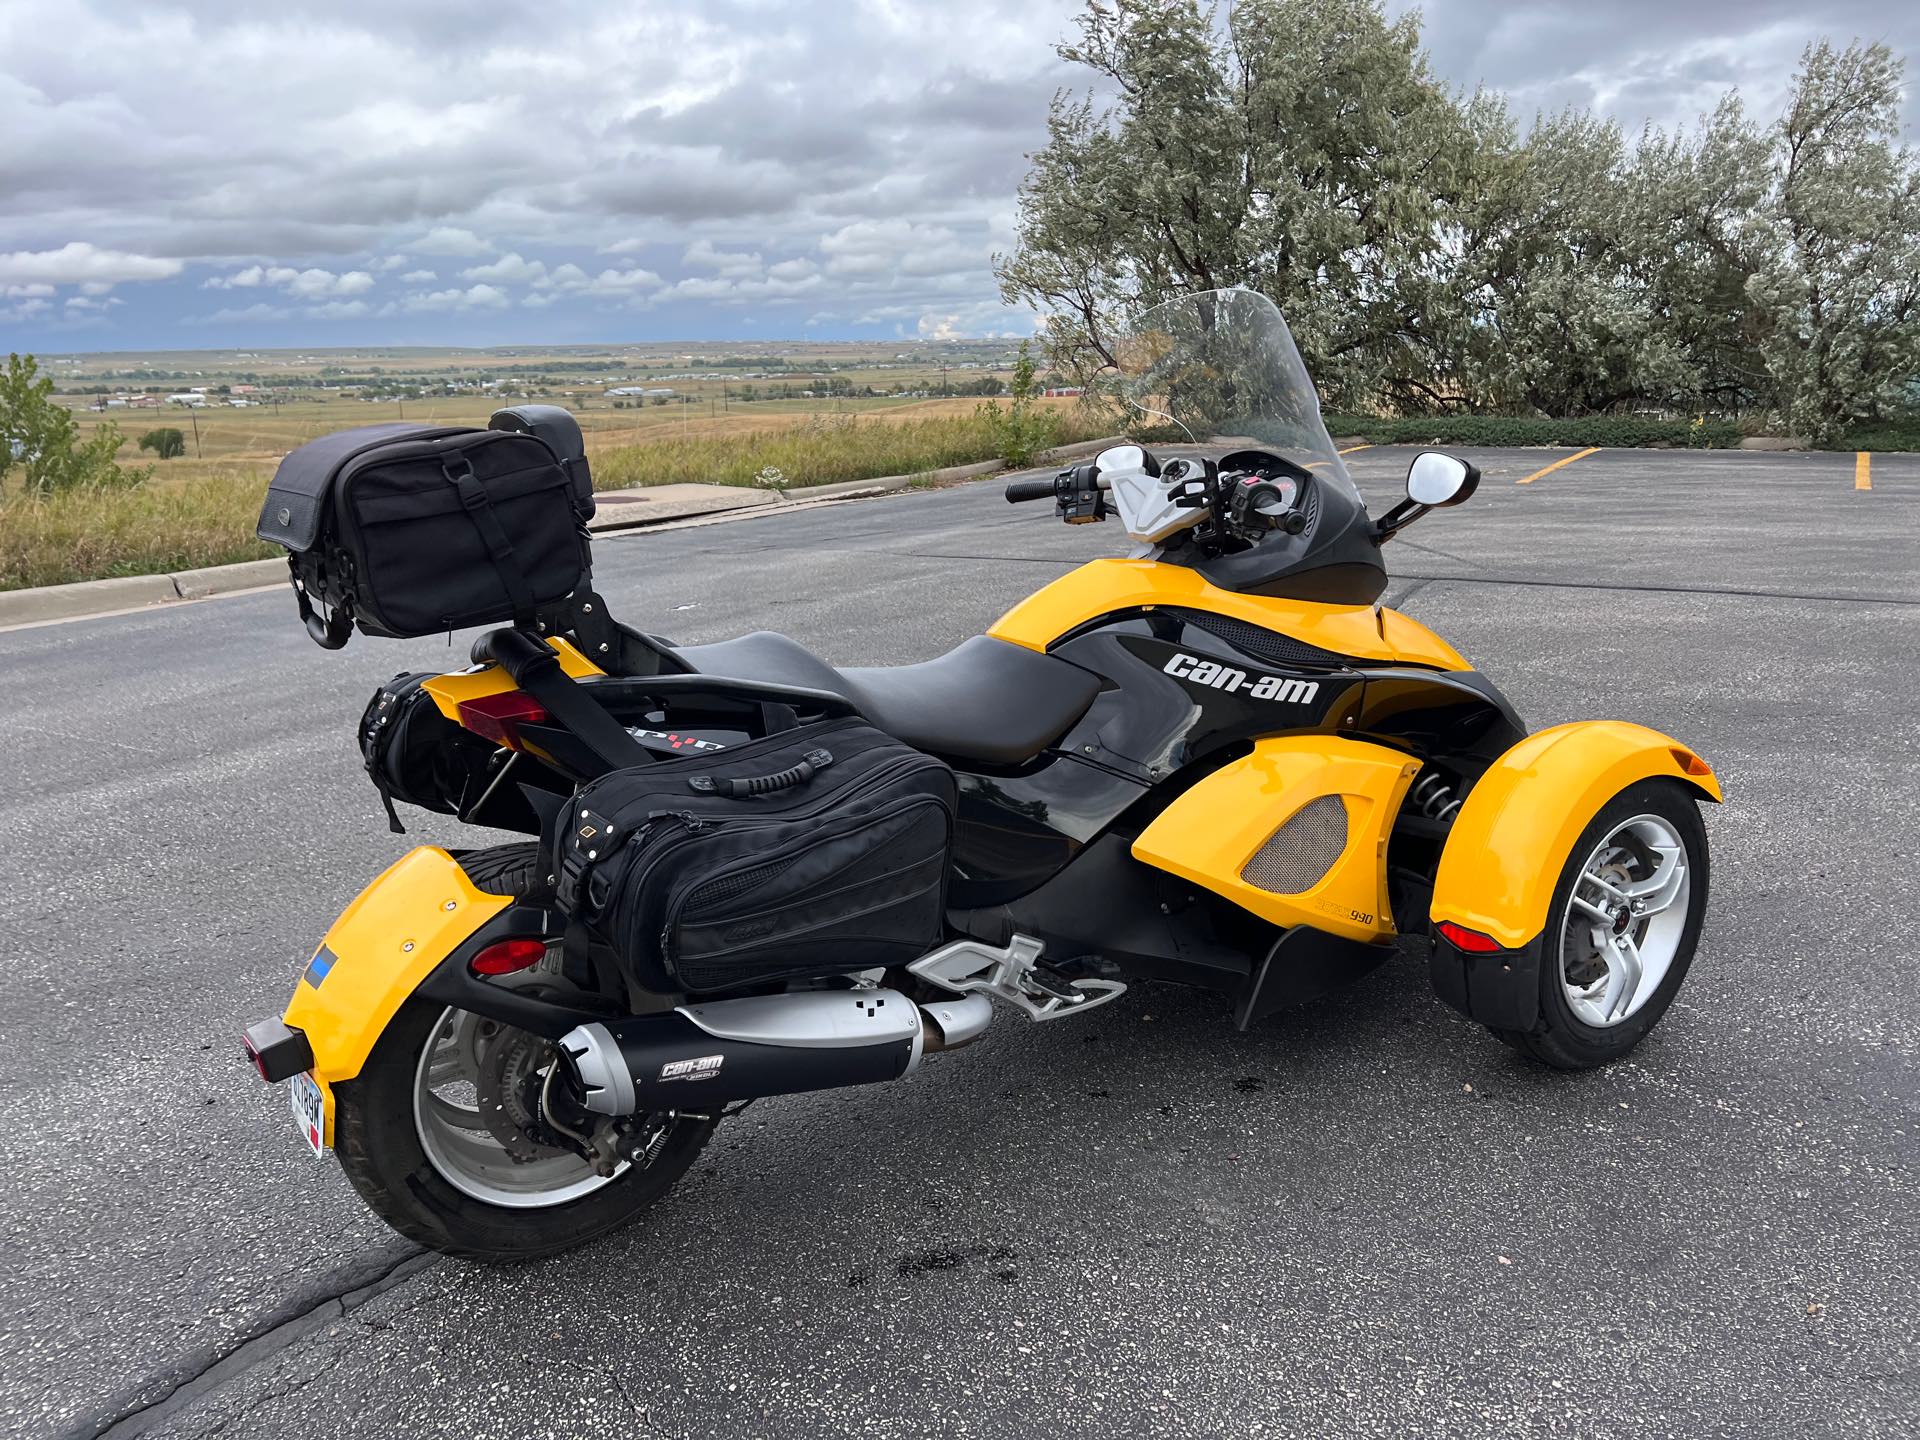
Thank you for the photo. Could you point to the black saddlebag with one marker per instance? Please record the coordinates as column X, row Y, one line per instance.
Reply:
column 810, row 852
column 416, row 755
column 408, row 530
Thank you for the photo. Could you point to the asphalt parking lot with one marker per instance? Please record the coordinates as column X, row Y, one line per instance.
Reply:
column 1364, row 1217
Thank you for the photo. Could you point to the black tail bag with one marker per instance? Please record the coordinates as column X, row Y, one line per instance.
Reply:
column 408, row 530
column 811, row 852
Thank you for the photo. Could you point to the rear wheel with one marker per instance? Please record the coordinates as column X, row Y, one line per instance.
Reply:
column 456, row 1135
column 1621, row 933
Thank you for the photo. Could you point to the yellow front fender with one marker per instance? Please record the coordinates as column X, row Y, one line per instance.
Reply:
column 1513, row 835
column 377, row 953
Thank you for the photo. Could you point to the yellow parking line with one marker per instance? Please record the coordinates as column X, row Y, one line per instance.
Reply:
column 1862, row 470
column 1529, row 479
column 1351, row 448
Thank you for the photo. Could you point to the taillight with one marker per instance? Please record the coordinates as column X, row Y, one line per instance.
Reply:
column 504, row 957
column 499, row 717
column 1471, row 941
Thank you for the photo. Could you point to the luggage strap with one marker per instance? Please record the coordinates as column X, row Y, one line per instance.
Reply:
column 538, row 673
column 479, row 506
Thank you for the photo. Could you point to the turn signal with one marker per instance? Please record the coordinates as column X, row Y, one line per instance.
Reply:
column 499, row 717
column 1691, row 763
column 504, row 957
column 1471, row 941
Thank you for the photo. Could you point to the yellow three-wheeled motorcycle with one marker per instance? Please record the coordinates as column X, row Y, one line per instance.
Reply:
column 1217, row 762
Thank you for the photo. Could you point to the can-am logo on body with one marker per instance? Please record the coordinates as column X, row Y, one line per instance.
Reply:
column 1225, row 677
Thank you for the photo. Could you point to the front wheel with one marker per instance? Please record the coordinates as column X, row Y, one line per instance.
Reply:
column 448, row 1134
column 1620, row 936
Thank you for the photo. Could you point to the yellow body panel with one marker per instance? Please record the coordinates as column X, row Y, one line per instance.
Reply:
column 1513, row 835
column 449, row 690
column 384, row 944
column 1210, row 833
column 1102, row 587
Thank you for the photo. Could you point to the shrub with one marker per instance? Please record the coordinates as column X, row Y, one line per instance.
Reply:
column 1022, row 430
column 1880, row 435
column 1609, row 431
column 167, row 443
column 38, row 435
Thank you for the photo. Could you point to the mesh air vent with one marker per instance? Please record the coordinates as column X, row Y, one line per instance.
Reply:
column 1280, row 650
column 1299, row 854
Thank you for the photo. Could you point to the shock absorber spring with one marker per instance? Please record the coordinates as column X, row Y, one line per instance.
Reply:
column 1433, row 797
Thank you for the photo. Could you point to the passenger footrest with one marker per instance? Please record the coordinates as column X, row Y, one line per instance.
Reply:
column 1013, row 973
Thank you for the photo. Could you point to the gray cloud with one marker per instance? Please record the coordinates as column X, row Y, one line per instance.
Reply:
column 834, row 167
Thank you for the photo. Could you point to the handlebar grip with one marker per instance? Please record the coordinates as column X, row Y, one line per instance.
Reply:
column 1019, row 490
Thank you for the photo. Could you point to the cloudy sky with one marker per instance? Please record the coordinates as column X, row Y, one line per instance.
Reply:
column 341, row 172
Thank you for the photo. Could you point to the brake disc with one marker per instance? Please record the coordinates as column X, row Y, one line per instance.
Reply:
column 507, row 1080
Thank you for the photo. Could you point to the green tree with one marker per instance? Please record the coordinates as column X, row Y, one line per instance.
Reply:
column 1023, row 429
column 40, row 438
column 1432, row 255
column 167, row 443
column 1303, row 149
column 1842, row 289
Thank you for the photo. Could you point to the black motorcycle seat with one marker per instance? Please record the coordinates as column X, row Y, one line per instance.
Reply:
column 984, row 700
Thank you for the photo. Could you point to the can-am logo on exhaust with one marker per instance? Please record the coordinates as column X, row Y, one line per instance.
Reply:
column 1226, row 677
column 703, row 1067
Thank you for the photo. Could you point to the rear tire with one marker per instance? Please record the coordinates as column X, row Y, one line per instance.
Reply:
column 377, row 1136
column 1566, row 1035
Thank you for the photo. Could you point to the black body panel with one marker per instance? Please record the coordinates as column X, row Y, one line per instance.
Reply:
column 1334, row 560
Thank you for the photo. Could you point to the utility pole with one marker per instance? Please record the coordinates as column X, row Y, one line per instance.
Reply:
column 193, row 414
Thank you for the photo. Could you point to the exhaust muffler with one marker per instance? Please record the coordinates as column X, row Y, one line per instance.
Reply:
column 707, row 1055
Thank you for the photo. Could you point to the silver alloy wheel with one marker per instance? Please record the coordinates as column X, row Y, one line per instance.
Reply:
column 464, row 1058
column 1625, row 920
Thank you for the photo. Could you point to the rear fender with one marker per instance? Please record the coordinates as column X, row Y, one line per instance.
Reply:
column 448, row 691
column 1519, row 823
column 378, row 952
column 1212, row 833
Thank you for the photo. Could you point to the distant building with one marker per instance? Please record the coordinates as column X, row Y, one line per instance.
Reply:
column 1065, row 390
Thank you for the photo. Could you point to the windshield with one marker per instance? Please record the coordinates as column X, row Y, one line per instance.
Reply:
column 1220, row 369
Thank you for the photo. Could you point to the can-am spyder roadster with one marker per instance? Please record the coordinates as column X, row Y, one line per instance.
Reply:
column 1218, row 762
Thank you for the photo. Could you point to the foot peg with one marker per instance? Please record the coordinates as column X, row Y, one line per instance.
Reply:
column 1014, row 974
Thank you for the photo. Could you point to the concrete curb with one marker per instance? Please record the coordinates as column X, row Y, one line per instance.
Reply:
column 625, row 510
column 87, row 597
column 886, row 484
column 222, row 579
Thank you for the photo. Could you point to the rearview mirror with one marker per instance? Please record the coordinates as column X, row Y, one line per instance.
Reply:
column 1436, row 479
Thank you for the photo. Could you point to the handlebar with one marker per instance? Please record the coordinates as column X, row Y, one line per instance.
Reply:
column 1020, row 490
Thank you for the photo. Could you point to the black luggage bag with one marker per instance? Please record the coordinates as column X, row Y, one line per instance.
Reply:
column 410, row 530
column 415, row 754
column 810, row 852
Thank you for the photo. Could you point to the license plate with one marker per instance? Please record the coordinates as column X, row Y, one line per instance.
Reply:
column 309, row 1112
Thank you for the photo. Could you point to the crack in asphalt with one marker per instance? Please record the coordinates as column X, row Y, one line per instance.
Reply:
column 349, row 1288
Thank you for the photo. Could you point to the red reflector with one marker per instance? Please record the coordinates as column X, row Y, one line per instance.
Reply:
column 1691, row 763
column 253, row 1057
column 503, row 957
column 1469, row 940
column 498, row 717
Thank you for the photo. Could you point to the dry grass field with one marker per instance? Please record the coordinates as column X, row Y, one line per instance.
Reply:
column 200, row 508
